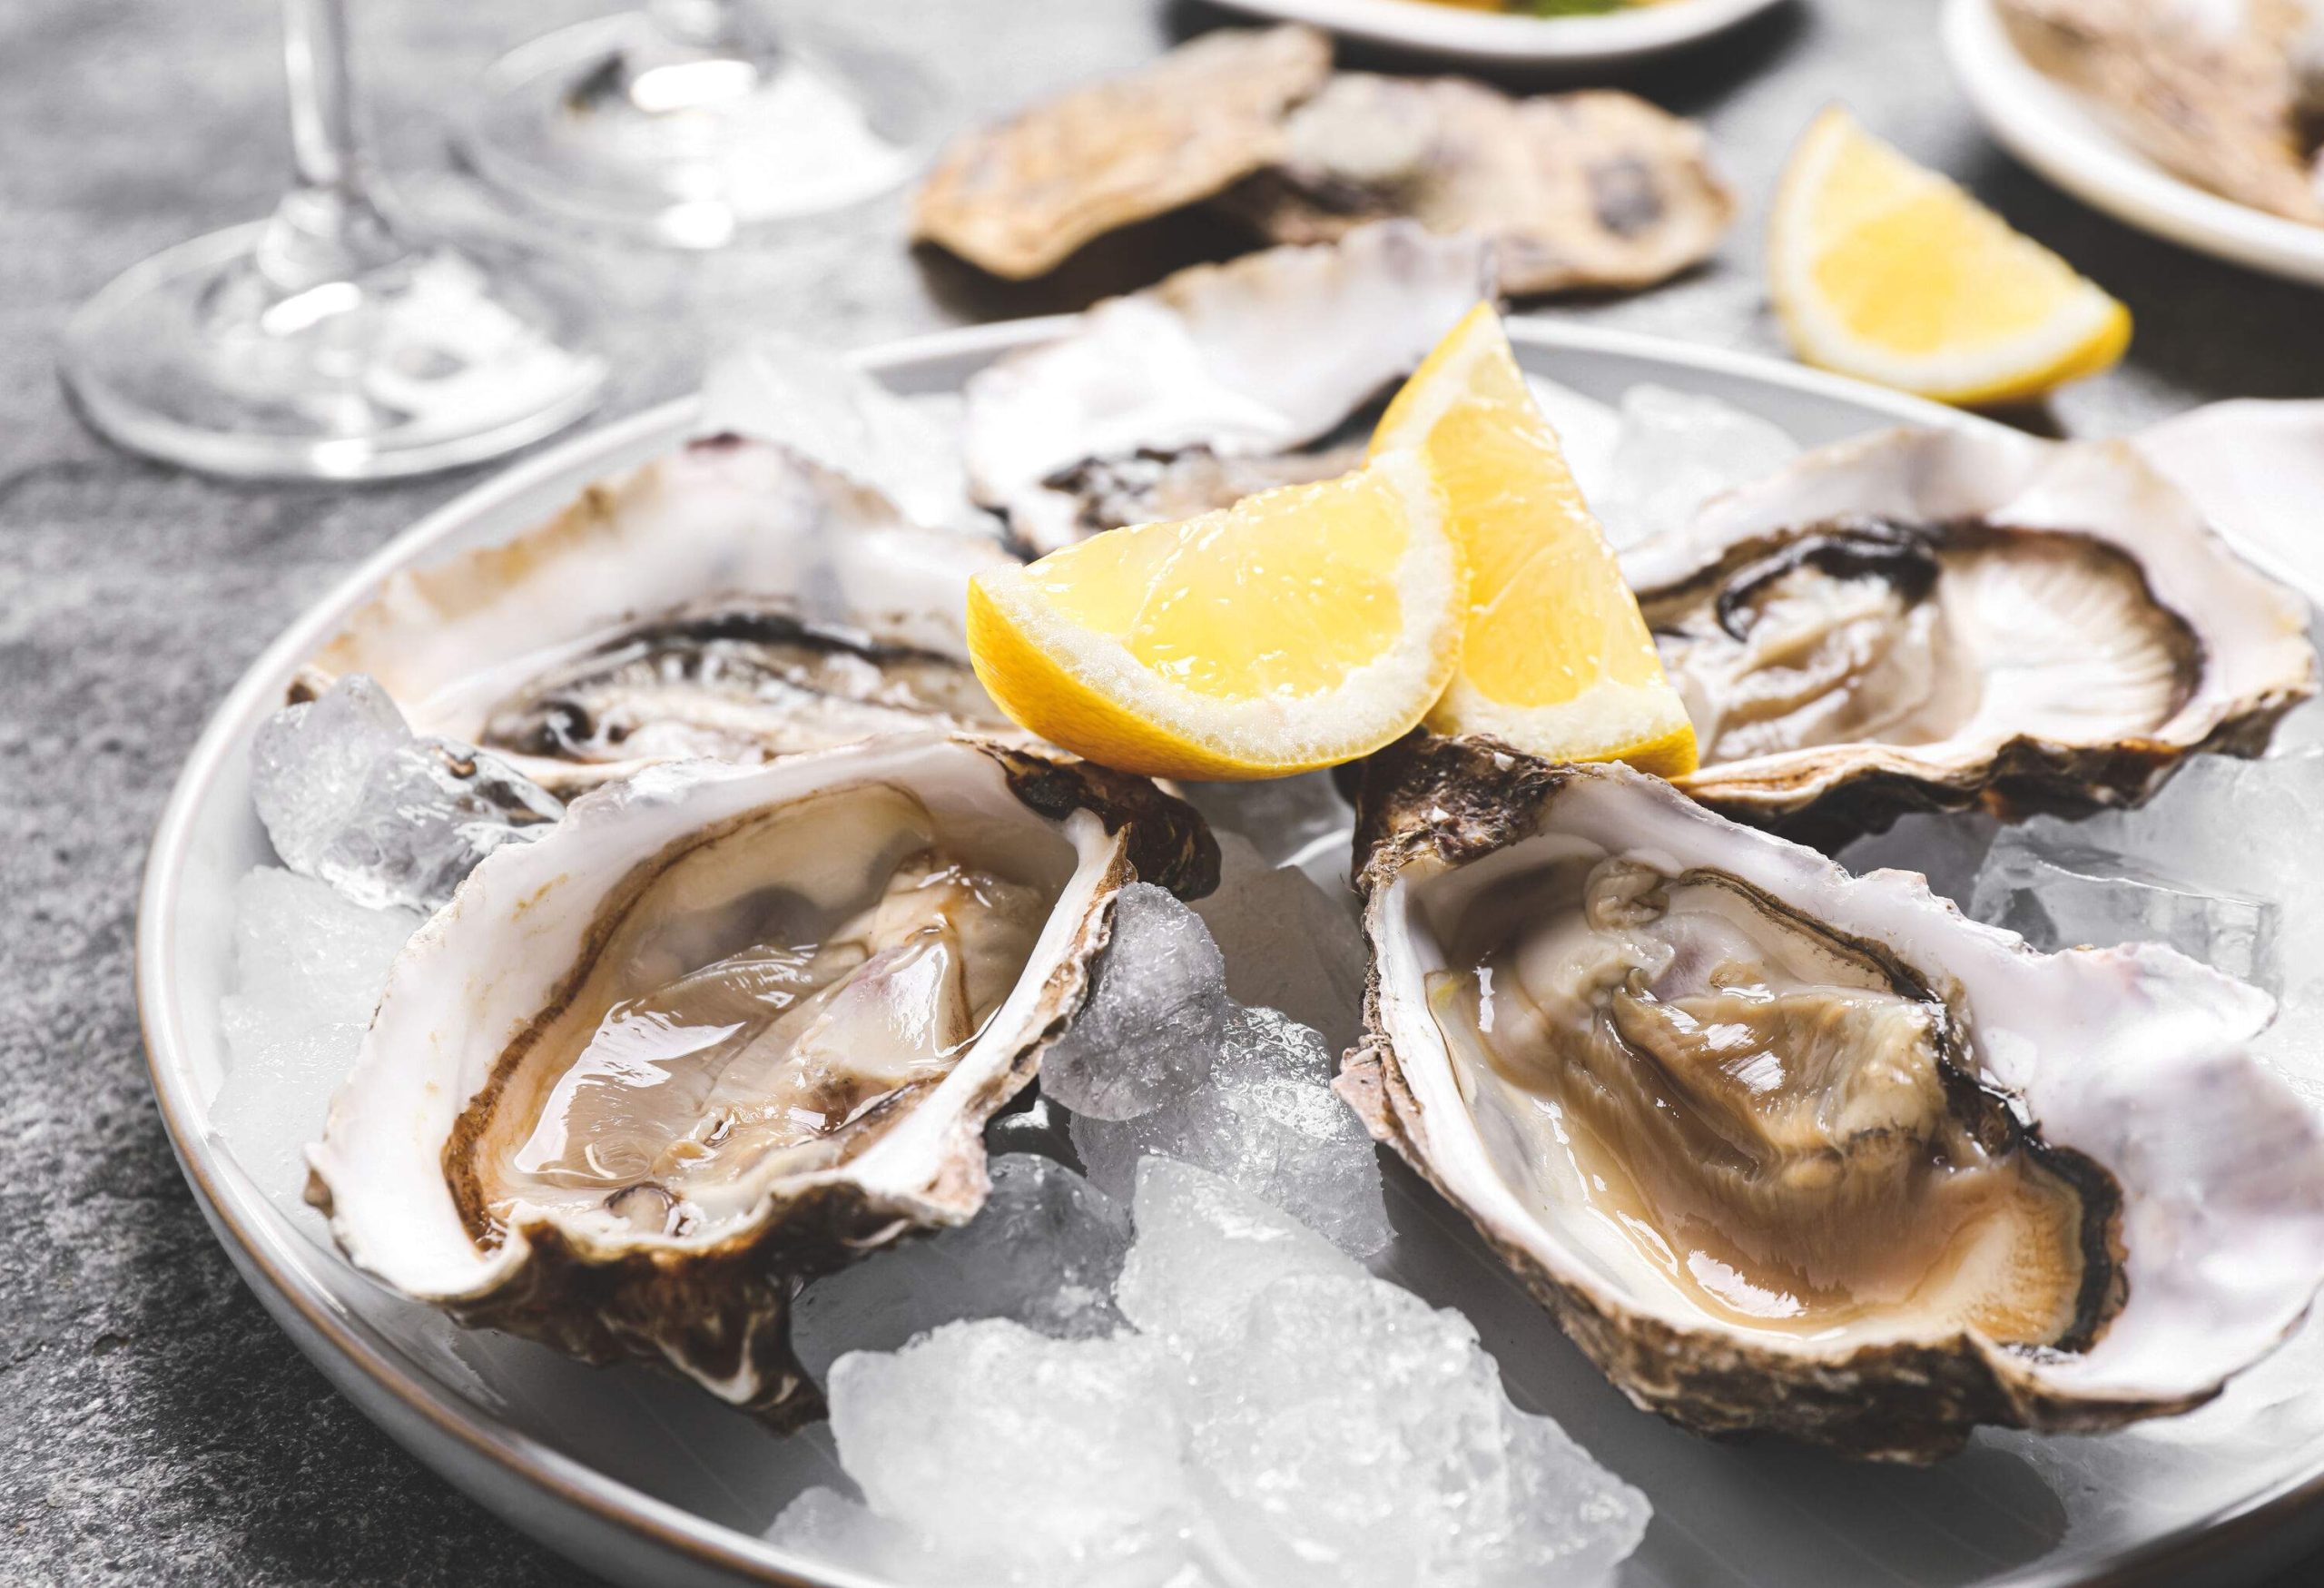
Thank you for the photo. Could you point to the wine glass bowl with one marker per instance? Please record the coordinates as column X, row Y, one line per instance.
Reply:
column 324, row 343
column 689, row 123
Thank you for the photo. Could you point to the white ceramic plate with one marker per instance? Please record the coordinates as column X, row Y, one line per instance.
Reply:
column 1486, row 35
column 2055, row 132
column 648, row 1481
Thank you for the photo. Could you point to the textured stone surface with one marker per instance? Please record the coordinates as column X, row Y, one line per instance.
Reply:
column 154, row 1426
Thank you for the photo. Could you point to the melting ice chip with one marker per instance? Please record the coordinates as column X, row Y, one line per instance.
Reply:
column 1676, row 451
column 1042, row 1251
column 309, row 966
column 2070, row 896
column 1146, row 1035
column 348, row 794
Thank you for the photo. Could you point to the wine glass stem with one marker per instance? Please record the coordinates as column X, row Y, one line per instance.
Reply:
column 327, row 228
column 717, row 27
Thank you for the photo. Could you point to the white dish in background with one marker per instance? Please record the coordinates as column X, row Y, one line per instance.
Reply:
column 1486, row 35
column 2054, row 131
column 645, row 1480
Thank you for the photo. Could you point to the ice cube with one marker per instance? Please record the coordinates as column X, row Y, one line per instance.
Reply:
column 348, row 795
column 998, row 1440
column 1146, row 1034
column 1299, row 821
column 1206, row 1249
column 1289, row 944
column 828, row 1527
column 1416, row 1469
column 1677, row 450
column 1945, row 847
column 2069, row 895
column 308, row 968
column 1267, row 1120
column 1043, row 1250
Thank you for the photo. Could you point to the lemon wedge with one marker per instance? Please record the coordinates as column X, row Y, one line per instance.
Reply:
column 1887, row 270
column 1301, row 628
column 1555, row 659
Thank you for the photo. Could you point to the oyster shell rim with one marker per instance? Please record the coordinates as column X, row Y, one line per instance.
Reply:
column 1442, row 803
column 714, row 1306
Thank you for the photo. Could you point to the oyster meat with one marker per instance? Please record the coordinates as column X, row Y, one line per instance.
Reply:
column 1927, row 619
column 2223, row 92
column 1597, row 189
column 1214, row 383
column 731, row 599
column 725, row 1028
column 1788, row 1150
column 1018, row 199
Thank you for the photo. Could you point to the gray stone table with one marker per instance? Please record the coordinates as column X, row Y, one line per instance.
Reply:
column 154, row 1426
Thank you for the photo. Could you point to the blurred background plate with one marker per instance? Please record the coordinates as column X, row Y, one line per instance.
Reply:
column 645, row 1480
column 2050, row 129
column 1489, row 35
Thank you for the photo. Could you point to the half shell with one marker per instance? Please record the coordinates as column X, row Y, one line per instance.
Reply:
column 1195, row 392
column 1925, row 620
column 1597, row 189
column 1018, row 198
column 1788, row 1150
column 731, row 599
column 723, row 1028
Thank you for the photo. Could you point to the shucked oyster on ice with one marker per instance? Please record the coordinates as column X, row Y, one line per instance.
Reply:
column 1195, row 392
column 731, row 599
column 1018, row 198
column 1595, row 189
column 1788, row 1150
column 2226, row 93
column 1924, row 619
column 723, row 1028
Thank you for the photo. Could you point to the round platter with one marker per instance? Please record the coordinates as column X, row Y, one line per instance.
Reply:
column 1485, row 35
column 649, row 1482
column 2048, row 128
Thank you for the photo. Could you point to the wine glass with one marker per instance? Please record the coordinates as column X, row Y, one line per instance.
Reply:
column 690, row 123
column 323, row 343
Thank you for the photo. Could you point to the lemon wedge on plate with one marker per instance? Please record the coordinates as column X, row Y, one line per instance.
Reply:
column 1556, row 659
column 1885, row 270
column 1303, row 626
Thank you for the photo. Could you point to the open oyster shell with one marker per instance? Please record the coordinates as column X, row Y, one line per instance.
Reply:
column 1788, row 1150
column 1925, row 620
column 2213, row 89
column 723, row 1028
column 1196, row 391
column 1018, row 199
column 1597, row 189
column 731, row 599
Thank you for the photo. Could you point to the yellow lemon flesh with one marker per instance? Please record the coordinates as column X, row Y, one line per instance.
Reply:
column 1555, row 659
column 1885, row 270
column 1299, row 628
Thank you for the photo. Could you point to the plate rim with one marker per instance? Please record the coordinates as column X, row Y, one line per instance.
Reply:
column 413, row 1408
column 1538, row 40
column 2102, row 171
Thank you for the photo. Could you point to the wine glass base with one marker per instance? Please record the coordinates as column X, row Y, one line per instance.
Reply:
column 196, row 357
column 611, row 125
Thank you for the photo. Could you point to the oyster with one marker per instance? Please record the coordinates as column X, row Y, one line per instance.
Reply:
column 731, row 599
column 1597, row 189
column 1788, row 1150
column 2223, row 92
column 1195, row 392
column 723, row 1028
column 1018, row 199
column 1926, row 620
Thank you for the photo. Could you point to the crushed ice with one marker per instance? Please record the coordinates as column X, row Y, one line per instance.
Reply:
column 348, row 795
column 2210, row 865
column 1220, row 1440
column 308, row 968
column 1266, row 1119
